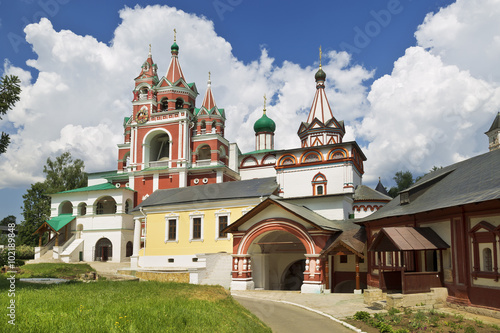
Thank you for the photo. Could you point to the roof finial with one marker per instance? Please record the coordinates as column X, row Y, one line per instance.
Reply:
column 265, row 103
column 175, row 35
column 149, row 49
column 320, row 53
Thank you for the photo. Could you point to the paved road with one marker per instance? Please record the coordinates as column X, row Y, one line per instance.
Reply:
column 287, row 318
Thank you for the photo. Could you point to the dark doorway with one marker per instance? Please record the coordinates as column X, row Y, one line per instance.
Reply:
column 294, row 276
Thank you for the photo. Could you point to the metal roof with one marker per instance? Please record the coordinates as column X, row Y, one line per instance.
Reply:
column 471, row 181
column 365, row 193
column 407, row 239
column 262, row 187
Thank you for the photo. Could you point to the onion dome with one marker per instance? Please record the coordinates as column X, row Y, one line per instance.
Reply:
column 320, row 75
column 174, row 47
column 264, row 124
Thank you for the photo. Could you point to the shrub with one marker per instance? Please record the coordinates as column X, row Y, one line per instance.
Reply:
column 393, row 311
column 361, row 315
column 25, row 252
column 470, row 329
column 4, row 259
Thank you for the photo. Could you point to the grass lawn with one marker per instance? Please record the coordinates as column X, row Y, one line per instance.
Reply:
column 111, row 306
column 54, row 270
column 431, row 321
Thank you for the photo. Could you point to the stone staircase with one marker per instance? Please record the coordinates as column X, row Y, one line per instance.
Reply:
column 218, row 270
column 47, row 257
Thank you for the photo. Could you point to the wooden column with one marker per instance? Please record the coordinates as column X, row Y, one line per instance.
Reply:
column 357, row 272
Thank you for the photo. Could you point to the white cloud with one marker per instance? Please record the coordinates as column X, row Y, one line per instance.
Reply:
column 466, row 34
column 441, row 97
column 84, row 88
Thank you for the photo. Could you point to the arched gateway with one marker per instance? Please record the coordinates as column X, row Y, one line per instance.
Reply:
column 268, row 252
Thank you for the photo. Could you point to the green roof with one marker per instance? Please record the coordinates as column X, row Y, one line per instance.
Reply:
column 98, row 187
column 58, row 222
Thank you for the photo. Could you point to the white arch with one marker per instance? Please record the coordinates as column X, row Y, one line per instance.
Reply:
column 146, row 142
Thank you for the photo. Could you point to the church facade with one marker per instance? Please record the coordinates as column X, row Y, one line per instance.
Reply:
column 276, row 218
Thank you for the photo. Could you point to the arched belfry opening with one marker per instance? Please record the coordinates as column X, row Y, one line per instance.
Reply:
column 278, row 261
column 158, row 152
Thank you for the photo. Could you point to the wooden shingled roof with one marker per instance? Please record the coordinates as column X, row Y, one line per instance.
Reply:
column 407, row 239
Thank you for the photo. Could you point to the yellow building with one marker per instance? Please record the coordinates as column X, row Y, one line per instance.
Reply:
column 181, row 229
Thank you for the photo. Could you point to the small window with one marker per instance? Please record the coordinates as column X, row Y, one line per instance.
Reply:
column 179, row 103
column 172, row 229
column 170, row 260
column 319, row 190
column 343, row 259
column 222, row 226
column 195, row 259
column 196, row 228
column 487, row 260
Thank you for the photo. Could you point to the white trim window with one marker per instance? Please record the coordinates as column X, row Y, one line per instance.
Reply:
column 222, row 220
column 196, row 227
column 171, row 228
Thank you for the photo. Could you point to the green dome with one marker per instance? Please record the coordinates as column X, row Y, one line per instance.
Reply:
column 175, row 47
column 264, row 124
column 320, row 75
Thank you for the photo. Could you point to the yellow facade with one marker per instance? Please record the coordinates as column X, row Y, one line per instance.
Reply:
column 157, row 235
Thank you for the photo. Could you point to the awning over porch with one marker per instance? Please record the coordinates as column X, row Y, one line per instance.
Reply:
column 56, row 223
column 407, row 239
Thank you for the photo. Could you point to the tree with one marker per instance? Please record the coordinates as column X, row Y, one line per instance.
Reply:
column 5, row 222
column 9, row 219
column 9, row 95
column 36, row 210
column 403, row 181
column 61, row 175
column 64, row 174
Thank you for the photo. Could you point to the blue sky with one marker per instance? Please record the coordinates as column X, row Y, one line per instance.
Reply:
column 416, row 81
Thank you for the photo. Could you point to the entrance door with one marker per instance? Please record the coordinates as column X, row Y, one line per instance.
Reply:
column 104, row 256
column 103, row 250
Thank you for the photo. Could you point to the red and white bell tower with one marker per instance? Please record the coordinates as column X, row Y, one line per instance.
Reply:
column 168, row 143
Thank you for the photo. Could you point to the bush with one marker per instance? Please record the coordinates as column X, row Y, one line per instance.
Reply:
column 361, row 315
column 4, row 259
column 25, row 252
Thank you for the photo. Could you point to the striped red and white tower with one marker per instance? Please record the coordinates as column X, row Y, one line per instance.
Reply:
column 321, row 127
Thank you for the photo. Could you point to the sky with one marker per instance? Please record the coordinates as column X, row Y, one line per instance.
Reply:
column 416, row 82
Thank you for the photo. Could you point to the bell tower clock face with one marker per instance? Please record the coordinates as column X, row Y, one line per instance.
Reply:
column 142, row 116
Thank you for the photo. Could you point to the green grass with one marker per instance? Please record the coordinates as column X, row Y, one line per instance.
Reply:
column 54, row 270
column 108, row 306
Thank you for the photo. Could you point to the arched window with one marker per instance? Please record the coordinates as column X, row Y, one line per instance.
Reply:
column 129, row 249
column 203, row 126
column 106, row 205
column 164, row 104
column 204, row 153
column 179, row 103
column 160, row 148
column 214, row 126
column 128, row 206
column 319, row 184
column 487, row 260
column 66, row 208
column 82, row 209
column 143, row 93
